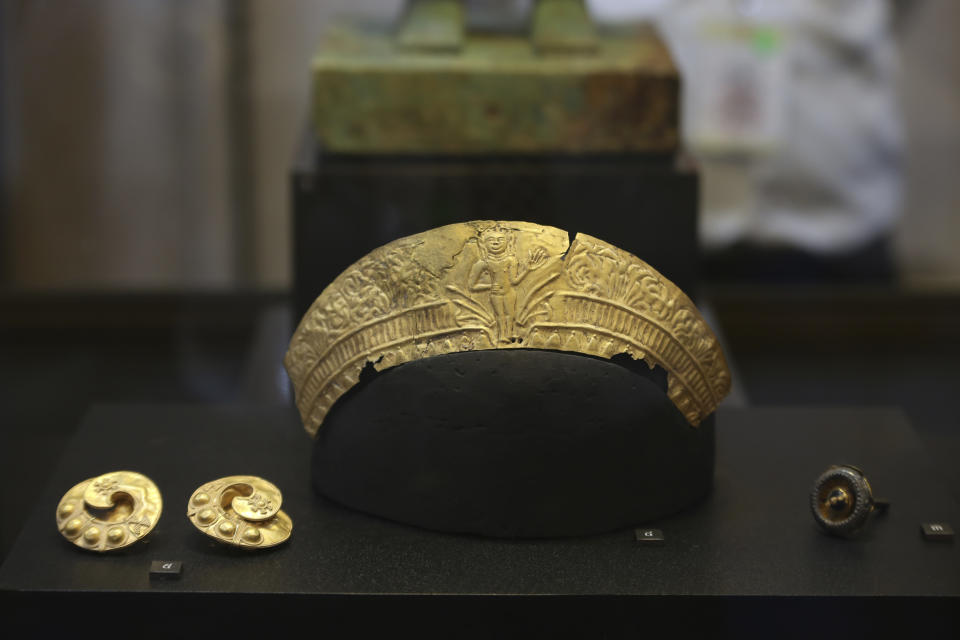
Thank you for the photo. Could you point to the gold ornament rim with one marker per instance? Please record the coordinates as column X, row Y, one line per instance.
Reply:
column 75, row 521
column 490, row 284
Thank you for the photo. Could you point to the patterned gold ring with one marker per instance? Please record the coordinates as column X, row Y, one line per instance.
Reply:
column 501, row 285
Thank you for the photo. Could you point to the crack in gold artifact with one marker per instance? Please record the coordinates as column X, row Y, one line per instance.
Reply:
column 501, row 285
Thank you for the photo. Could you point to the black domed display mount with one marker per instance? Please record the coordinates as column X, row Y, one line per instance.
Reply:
column 514, row 443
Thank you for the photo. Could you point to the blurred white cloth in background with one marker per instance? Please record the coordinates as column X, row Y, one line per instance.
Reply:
column 791, row 107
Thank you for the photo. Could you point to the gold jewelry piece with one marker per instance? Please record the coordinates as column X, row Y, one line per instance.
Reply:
column 842, row 500
column 501, row 285
column 242, row 511
column 109, row 512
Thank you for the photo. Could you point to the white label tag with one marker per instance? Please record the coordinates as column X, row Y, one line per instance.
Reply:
column 735, row 93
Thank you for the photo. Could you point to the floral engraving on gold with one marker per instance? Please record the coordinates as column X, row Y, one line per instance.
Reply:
column 501, row 285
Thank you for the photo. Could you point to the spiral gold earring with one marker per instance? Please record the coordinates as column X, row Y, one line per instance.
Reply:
column 241, row 511
column 110, row 511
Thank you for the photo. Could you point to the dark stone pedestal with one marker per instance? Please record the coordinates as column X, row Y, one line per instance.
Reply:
column 344, row 206
column 514, row 443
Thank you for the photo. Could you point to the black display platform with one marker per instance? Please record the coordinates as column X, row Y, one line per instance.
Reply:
column 748, row 558
column 514, row 443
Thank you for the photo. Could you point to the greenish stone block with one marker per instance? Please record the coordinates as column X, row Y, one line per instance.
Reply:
column 495, row 94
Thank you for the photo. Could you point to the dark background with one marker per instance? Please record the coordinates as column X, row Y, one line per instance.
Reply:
column 147, row 234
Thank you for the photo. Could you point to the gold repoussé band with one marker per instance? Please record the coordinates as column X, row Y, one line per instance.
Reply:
column 501, row 285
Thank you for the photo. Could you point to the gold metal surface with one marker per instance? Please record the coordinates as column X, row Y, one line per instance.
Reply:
column 501, row 285
column 109, row 512
column 242, row 511
column 836, row 501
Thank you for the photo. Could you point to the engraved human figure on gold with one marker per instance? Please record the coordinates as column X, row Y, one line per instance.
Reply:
column 498, row 271
column 501, row 285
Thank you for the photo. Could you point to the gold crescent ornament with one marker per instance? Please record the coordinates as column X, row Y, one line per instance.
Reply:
column 240, row 511
column 501, row 285
column 109, row 512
